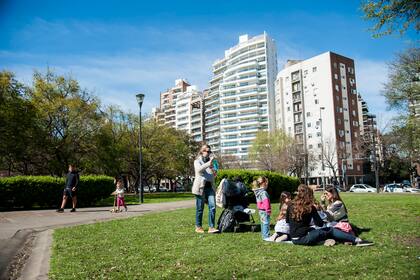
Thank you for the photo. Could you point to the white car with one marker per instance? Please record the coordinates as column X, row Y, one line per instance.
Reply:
column 362, row 188
column 394, row 188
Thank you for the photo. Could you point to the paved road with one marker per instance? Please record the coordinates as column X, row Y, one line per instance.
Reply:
column 23, row 232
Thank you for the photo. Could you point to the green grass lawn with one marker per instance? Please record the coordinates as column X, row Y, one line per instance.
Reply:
column 131, row 199
column 164, row 246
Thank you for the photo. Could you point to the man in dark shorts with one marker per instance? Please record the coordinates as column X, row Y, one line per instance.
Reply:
column 72, row 181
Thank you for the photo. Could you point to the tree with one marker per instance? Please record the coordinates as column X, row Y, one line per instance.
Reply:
column 70, row 118
column 269, row 150
column 402, row 93
column 19, row 130
column 392, row 15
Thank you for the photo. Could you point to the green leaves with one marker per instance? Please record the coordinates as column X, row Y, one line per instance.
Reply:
column 391, row 16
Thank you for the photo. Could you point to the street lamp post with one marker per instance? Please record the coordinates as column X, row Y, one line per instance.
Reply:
column 375, row 161
column 322, row 147
column 140, row 98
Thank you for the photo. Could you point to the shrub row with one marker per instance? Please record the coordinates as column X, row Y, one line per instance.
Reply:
column 276, row 182
column 46, row 191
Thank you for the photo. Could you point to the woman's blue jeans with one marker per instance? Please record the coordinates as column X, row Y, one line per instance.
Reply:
column 315, row 236
column 209, row 197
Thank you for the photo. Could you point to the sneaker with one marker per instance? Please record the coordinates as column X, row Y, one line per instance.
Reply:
column 199, row 230
column 364, row 243
column 61, row 210
column 213, row 230
column 281, row 238
column 73, row 210
column 329, row 242
column 268, row 239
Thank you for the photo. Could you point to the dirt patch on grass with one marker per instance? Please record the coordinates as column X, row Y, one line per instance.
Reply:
column 408, row 241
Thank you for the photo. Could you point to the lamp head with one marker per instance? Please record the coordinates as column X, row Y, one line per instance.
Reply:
column 140, row 98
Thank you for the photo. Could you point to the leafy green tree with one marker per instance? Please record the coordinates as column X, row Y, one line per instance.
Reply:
column 402, row 93
column 392, row 16
column 19, row 130
column 70, row 117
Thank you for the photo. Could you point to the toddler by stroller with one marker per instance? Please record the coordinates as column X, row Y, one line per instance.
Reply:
column 236, row 217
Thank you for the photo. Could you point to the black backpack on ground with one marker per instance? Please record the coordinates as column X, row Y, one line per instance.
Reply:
column 226, row 222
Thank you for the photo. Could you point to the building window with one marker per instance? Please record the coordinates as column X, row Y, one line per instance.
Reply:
column 309, row 135
column 337, row 88
column 309, row 124
column 310, row 146
column 335, row 64
column 320, row 157
column 308, row 114
column 288, row 109
column 314, row 69
column 318, row 134
column 305, row 72
column 336, row 76
column 339, row 121
column 316, row 101
column 319, row 145
column 317, row 123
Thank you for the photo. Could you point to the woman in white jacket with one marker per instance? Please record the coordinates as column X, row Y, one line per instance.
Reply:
column 203, row 189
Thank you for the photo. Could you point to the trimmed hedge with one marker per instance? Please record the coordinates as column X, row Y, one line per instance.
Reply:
column 47, row 191
column 276, row 182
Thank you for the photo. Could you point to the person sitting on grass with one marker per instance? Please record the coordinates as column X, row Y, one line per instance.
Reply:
column 282, row 228
column 333, row 206
column 299, row 215
column 336, row 212
column 263, row 204
column 70, row 190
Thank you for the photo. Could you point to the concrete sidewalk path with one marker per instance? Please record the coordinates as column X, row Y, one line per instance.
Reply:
column 26, row 233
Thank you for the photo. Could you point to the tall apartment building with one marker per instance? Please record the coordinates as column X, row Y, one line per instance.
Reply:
column 317, row 104
column 181, row 107
column 241, row 97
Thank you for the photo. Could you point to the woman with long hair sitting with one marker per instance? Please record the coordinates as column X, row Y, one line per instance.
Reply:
column 299, row 216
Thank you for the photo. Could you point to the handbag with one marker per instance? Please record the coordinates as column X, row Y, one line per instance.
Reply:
column 344, row 226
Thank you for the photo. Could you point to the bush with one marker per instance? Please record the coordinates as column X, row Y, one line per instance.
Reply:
column 276, row 182
column 46, row 191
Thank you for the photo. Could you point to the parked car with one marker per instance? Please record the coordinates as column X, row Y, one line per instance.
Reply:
column 163, row 189
column 412, row 190
column 362, row 188
column 149, row 189
column 394, row 188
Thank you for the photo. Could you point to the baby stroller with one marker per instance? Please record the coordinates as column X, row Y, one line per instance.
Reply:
column 236, row 217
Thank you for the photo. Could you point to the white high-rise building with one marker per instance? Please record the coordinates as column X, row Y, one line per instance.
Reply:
column 189, row 114
column 241, row 97
column 317, row 104
column 181, row 108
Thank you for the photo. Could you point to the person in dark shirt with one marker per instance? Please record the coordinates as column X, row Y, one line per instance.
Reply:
column 299, row 216
column 70, row 190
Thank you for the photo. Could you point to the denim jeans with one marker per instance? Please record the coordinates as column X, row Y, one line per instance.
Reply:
column 265, row 224
column 209, row 196
column 315, row 236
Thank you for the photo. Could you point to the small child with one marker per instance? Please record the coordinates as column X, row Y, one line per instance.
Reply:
column 120, row 195
column 263, row 205
column 282, row 227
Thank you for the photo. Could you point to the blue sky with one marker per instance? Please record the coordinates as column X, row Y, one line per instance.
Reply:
column 119, row 48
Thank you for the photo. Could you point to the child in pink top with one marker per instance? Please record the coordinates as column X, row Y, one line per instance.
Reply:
column 263, row 205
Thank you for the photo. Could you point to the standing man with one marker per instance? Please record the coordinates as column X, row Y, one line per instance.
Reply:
column 72, row 181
